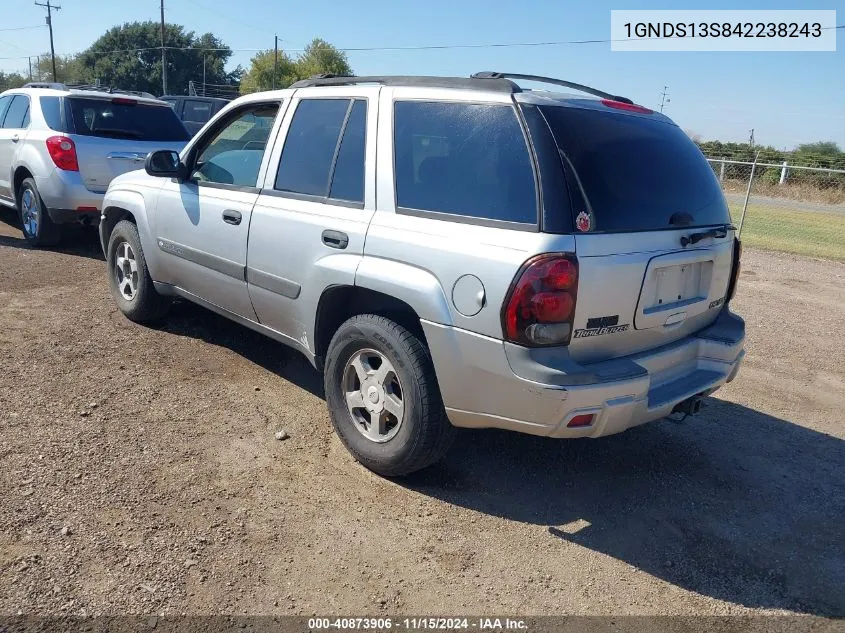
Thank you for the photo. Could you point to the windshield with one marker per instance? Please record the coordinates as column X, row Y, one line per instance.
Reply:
column 637, row 173
column 126, row 119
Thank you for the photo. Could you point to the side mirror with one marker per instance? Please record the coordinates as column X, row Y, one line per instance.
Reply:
column 164, row 163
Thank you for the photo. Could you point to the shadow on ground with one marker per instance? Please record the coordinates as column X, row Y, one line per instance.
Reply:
column 733, row 504
column 82, row 241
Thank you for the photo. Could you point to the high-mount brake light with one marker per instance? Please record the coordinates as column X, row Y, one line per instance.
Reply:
column 124, row 101
column 630, row 107
column 540, row 306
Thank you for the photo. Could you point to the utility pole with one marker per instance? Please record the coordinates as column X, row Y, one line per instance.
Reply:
column 751, row 137
column 275, row 59
column 50, row 8
column 203, row 73
column 664, row 97
column 29, row 59
column 163, row 61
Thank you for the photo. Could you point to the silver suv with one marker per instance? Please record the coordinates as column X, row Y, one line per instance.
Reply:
column 449, row 252
column 61, row 146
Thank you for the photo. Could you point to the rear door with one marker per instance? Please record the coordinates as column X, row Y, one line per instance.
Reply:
column 652, row 229
column 309, row 224
column 113, row 136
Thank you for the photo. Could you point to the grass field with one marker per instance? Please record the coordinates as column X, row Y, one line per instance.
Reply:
column 813, row 233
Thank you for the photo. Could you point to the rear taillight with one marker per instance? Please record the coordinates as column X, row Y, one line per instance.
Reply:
column 540, row 305
column 735, row 267
column 630, row 107
column 63, row 152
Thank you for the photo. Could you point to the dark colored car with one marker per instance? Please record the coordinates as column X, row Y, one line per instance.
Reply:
column 195, row 111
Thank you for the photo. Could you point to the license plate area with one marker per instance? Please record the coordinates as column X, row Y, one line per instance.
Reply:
column 675, row 288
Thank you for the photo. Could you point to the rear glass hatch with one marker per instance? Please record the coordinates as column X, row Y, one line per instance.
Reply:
column 113, row 136
column 652, row 229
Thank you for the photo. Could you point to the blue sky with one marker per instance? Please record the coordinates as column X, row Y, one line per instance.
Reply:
column 788, row 98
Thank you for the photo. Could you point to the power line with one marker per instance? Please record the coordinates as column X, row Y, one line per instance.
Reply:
column 23, row 28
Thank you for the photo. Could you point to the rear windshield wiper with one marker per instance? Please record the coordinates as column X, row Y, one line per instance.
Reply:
column 695, row 238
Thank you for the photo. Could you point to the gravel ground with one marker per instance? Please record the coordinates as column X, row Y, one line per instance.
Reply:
column 139, row 473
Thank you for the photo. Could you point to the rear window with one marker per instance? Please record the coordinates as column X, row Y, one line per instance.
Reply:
column 638, row 173
column 126, row 119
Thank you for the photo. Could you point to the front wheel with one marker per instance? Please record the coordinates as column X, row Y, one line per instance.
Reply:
column 38, row 228
column 130, row 282
column 383, row 396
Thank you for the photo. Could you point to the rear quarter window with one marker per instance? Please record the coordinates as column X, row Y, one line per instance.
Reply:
column 126, row 119
column 51, row 109
column 463, row 159
column 638, row 173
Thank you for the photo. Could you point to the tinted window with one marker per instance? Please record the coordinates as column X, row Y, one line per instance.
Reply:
column 196, row 111
column 233, row 154
column 464, row 159
column 126, row 118
column 4, row 104
column 348, row 178
column 51, row 108
column 636, row 171
column 17, row 116
column 305, row 166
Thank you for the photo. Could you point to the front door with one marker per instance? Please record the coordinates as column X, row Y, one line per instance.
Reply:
column 13, row 128
column 202, row 223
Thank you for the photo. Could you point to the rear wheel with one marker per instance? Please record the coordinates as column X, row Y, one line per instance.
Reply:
column 38, row 228
column 129, row 280
column 383, row 396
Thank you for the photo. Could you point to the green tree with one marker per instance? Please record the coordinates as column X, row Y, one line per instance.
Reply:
column 321, row 57
column 129, row 57
column 820, row 148
column 69, row 70
column 318, row 57
column 260, row 74
column 11, row 80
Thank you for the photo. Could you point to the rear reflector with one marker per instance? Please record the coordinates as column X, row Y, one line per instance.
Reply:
column 87, row 209
column 630, row 107
column 585, row 419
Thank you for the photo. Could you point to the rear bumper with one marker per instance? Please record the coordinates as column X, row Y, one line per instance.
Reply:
column 64, row 192
column 490, row 384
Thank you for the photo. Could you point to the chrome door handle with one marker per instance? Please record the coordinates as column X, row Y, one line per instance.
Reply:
column 231, row 216
column 136, row 157
column 335, row 239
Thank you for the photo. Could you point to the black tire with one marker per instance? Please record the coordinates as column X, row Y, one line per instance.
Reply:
column 425, row 433
column 46, row 232
column 145, row 304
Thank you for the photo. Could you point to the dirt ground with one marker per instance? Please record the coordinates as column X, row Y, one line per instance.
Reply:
column 139, row 473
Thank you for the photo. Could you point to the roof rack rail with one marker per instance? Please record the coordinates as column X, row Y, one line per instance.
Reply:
column 488, row 74
column 496, row 84
column 60, row 86
column 52, row 85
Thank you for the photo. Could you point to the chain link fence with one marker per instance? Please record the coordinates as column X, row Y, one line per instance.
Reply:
column 788, row 206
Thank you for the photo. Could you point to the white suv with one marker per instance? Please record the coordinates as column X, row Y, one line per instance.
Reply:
column 60, row 147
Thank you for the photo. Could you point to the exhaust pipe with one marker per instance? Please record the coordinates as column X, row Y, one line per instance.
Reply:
column 690, row 406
